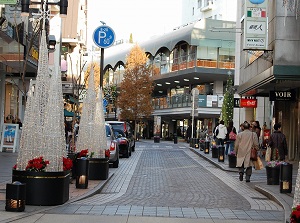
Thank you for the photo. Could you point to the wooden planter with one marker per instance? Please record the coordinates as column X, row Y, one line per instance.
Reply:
column 44, row 188
column 98, row 168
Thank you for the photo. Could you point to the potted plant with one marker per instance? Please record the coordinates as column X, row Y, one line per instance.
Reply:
column 44, row 187
column 100, row 167
column 232, row 159
column 295, row 215
column 273, row 170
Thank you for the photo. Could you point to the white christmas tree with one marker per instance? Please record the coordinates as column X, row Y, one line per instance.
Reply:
column 43, row 132
column 54, row 120
column 86, row 135
column 26, row 150
column 297, row 189
column 100, row 131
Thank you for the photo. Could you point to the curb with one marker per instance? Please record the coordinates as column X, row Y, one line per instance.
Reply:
column 89, row 193
column 265, row 192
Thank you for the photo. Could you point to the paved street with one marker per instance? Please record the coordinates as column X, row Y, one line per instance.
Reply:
column 163, row 181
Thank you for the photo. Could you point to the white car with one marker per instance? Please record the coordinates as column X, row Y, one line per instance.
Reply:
column 112, row 144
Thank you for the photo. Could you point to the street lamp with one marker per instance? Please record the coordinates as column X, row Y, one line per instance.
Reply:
column 63, row 4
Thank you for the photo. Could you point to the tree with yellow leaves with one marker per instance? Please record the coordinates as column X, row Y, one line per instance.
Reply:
column 134, row 100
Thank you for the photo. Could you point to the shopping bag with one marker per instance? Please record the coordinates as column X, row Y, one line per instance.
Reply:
column 268, row 154
column 258, row 165
column 253, row 154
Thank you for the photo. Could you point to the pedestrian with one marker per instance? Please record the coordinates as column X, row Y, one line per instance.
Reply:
column 245, row 140
column 256, row 128
column 241, row 127
column 220, row 133
column 278, row 144
column 188, row 133
column 230, row 138
column 214, row 131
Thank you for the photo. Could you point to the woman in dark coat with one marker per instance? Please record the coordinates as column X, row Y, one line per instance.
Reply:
column 278, row 143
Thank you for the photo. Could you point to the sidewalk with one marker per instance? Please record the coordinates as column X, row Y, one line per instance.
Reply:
column 259, row 181
column 8, row 160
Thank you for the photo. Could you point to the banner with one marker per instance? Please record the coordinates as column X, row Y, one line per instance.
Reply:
column 248, row 103
column 256, row 25
column 8, row 2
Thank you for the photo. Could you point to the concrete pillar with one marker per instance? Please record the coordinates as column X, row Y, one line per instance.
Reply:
column 2, row 99
column 218, row 88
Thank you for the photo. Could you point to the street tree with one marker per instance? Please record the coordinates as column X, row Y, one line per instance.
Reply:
column 134, row 100
column 228, row 102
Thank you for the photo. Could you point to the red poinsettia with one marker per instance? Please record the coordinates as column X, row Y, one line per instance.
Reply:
column 67, row 163
column 15, row 167
column 107, row 153
column 295, row 215
column 37, row 164
column 83, row 153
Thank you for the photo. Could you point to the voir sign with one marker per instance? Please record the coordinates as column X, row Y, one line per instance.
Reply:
column 282, row 95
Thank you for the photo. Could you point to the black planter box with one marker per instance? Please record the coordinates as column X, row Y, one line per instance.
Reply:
column 98, row 168
column 44, row 188
column 214, row 152
column 272, row 175
column 232, row 161
column 156, row 139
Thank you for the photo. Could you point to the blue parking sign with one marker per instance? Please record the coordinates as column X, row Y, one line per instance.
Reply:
column 104, row 36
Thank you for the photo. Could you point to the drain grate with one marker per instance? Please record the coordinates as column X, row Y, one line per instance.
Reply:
column 260, row 198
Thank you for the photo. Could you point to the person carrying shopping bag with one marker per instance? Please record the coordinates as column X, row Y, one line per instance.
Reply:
column 244, row 142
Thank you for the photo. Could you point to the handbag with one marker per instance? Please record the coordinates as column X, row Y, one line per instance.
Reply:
column 232, row 135
column 268, row 154
column 253, row 154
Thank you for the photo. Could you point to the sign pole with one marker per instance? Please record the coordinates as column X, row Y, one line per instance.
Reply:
column 103, row 37
column 101, row 67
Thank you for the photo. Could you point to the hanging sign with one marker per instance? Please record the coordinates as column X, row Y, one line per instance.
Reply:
column 255, row 25
column 282, row 95
column 248, row 103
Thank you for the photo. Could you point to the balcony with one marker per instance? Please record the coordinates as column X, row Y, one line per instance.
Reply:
column 207, row 7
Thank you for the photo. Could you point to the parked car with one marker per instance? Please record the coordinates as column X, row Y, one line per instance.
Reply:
column 123, row 143
column 112, row 144
column 127, row 129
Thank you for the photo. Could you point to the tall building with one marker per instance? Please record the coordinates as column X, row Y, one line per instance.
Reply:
column 193, row 10
column 267, row 65
column 19, row 44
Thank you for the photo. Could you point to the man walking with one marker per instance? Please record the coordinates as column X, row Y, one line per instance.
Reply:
column 245, row 140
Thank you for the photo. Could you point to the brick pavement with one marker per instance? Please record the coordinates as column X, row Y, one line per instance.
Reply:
column 125, row 179
column 156, row 190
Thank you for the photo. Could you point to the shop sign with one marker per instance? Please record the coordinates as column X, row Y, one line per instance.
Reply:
column 282, row 95
column 236, row 102
column 248, row 103
column 8, row 2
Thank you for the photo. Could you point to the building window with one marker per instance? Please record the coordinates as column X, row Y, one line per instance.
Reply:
column 199, row 4
column 193, row 12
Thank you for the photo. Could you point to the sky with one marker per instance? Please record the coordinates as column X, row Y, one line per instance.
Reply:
column 142, row 18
